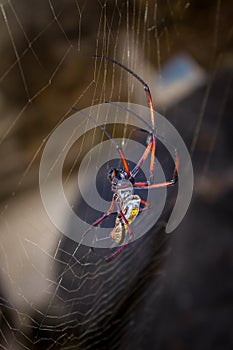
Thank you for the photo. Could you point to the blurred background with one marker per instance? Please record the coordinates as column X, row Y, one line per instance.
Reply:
column 166, row 291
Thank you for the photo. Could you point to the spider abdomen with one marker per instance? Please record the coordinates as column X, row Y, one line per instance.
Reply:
column 131, row 206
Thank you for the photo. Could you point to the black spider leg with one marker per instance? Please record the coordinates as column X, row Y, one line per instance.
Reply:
column 138, row 166
column 160, row 137
column 118, row 105
column 117, row 146
column 151, row 107
column 125, row 109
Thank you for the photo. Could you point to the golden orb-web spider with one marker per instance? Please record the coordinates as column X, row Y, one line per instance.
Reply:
column 123, row 179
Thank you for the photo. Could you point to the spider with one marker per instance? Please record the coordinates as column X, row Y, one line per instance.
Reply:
column 123, row 181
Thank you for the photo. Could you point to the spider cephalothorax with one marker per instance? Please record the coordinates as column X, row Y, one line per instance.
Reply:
column 117, row 174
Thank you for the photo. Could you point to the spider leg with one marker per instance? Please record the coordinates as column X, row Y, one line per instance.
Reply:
column 151, row 147
column 147, row 185
column 152, row 117
column 152, row 159
column 142, row 159
column 106, row 215
column 146, row 204
column 117, row 146
column 151, row 107
column 124, row 161
column 115, row 254
column 103, row 217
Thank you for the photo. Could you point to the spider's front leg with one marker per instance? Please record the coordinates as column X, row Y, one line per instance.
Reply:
column 147, row 185
column 152, row 159
column 151, row 146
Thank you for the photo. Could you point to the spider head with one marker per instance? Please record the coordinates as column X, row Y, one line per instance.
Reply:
column 119, row 179
column 115, row 175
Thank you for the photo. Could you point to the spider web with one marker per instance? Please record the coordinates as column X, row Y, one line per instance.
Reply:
column 56, row 294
